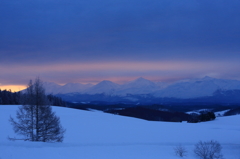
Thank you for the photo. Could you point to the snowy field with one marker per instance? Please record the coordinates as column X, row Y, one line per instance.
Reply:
column 97, row 135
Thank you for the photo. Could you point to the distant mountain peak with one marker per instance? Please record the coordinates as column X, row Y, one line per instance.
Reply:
column 50, row 83
column 141, row 84
column 207, row 78
column 105, row 86
column 72, row 84
column 141, row 80
column 106, row 82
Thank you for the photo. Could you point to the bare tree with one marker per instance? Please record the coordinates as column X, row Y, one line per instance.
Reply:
column 208, row 150
column 36, row 121
column 180, row 151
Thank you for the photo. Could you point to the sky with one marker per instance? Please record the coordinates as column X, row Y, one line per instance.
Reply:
column 87, row 41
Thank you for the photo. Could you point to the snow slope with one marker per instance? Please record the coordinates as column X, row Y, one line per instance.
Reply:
column 97, row 135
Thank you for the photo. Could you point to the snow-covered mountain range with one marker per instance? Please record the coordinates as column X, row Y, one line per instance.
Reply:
column 143, row 88
column 181, row 89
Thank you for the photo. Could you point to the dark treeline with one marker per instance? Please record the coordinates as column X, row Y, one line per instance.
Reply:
column 7, row 97
column 56, row 101
column 158, row 115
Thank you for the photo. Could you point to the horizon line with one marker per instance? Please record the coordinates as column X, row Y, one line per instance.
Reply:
column 19, row 87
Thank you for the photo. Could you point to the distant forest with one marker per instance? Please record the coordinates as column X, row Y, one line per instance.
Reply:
column 7, row 97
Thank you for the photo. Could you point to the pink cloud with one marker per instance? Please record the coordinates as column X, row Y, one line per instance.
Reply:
column 118, row 71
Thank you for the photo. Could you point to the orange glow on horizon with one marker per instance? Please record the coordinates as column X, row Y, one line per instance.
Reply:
column 14, row 88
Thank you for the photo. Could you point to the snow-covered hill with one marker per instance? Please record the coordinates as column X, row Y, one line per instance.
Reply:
column 97, row 135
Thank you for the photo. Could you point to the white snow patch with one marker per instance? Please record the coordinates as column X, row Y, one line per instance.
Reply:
column 198, row 111
column 221, row 113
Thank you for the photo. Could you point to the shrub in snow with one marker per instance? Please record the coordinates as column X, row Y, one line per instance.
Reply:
column 208, row 150
column 180, row 151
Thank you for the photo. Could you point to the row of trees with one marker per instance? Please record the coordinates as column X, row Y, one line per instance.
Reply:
column 35, row 119
column 7, row 97
column 203, row 116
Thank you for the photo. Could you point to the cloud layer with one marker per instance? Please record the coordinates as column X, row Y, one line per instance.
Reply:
column 79, row 40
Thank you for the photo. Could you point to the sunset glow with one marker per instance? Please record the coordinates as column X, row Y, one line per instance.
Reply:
column 119, row 72
column 13, row 88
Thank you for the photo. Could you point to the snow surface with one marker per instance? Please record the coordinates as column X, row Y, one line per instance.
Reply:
column 98, row 135
column 199, row 111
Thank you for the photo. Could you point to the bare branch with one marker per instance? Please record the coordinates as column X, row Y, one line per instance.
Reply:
column 208, row 150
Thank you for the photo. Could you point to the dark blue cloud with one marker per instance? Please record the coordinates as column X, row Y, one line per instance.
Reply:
column 58, row 31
